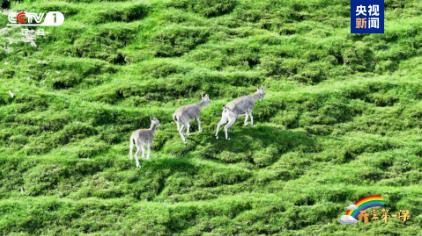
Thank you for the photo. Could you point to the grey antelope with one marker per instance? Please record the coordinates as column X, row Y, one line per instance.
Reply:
column 142, row 138
column 185, row 114
column 239, row 106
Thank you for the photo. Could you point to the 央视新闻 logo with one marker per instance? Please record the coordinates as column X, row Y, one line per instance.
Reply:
column 367, row 16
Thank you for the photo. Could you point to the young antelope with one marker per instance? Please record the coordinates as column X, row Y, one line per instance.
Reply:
column 239, row 106
column 142, row 138
column 185, row 114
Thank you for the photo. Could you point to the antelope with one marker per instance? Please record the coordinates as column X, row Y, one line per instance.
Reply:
column 239, row 106
column 185, row 114
column 142, row 138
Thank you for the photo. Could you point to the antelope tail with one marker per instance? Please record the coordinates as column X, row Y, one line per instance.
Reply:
column 132, row 142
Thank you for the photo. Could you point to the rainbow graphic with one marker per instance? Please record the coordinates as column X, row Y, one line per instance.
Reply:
column 365, row 203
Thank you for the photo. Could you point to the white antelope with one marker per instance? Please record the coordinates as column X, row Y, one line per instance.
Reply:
column 142, row 138
column 239, row 106
column 185, row 114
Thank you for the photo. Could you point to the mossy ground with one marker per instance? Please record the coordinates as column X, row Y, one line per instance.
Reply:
column 342, row 119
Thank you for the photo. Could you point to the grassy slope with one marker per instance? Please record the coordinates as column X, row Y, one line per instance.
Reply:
column 342, row 119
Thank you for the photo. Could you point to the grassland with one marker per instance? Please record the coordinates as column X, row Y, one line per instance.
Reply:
column 342, row 119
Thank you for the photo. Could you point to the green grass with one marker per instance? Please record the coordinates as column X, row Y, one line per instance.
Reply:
column 341, row 119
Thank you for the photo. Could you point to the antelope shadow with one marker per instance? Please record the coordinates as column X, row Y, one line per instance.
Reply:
column 249, row 139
